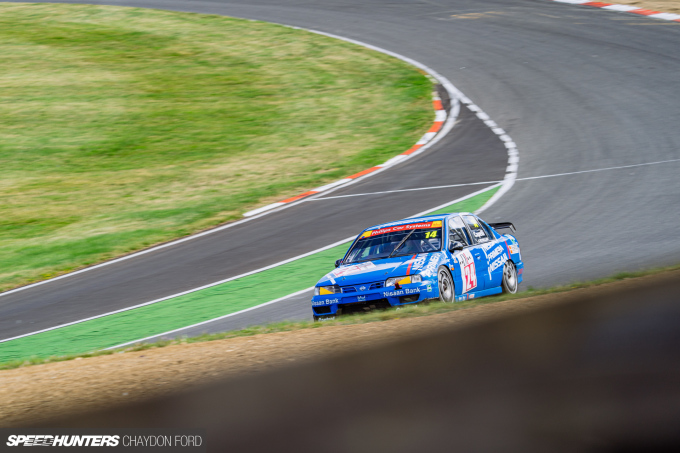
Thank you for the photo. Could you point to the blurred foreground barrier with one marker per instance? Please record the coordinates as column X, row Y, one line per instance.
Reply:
column 593, row 375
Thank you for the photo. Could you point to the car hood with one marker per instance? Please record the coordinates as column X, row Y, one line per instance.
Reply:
column 372, row 271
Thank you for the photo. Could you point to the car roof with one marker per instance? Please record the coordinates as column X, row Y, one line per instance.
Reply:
column 424, row 218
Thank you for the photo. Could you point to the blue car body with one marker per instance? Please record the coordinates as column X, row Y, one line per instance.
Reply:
column 476, row 263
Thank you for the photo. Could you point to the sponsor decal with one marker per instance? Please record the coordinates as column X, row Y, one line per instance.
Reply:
column 514, row 248
column 461, row 298
column 488, row 246
column 498, row 263
column 495, row 252
column 353, row 269
column 419, row 262
column 401, row 292
column 519, row 272
column 478, row 233
column 471, row 296
column 468, row 273
column 317, row 303
column 327, row 318
column 432, row 265
column 409, row 226
column 361, row 298
column 429, row 288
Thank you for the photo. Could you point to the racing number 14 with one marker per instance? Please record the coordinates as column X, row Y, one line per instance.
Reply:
column 430, row 234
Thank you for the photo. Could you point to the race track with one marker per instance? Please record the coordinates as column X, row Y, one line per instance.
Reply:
column 577, row 88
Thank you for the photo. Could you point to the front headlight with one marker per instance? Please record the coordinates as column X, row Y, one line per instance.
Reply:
column 404, row 280
column 324, row 290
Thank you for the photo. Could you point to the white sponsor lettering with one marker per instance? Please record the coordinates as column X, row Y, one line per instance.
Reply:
column 419, row 262
column 487, row 246
column 498, row 263
column 402, row 292
column 431, row 267
column 316, row 303
column 495, row 252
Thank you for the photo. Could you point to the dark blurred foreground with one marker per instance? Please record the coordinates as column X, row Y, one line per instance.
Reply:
column 593, row 375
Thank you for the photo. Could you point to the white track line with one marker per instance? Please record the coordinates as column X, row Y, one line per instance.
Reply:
column 436, row 208
column 407, row 190
column 528, row 178
column 213, row 320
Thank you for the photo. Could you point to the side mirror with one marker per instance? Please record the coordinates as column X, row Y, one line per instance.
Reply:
column 338, row 263
column 456, row 246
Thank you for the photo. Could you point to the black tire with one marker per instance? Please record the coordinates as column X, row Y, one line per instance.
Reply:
column 447, row 292
column 509, row 283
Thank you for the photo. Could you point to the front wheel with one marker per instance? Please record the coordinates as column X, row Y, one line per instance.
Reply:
column 509, row 278
column 446, row 292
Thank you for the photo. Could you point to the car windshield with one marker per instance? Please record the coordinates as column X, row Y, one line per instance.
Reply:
column 395, row 243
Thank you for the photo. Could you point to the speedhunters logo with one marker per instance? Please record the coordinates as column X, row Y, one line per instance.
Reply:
column 160, row 440
column 46, row 440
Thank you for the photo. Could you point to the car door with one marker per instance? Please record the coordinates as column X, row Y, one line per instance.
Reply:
column 483, row 242
column 494, row 249
column 468, row 275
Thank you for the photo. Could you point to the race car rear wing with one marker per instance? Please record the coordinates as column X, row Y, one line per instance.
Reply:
column 503, row 226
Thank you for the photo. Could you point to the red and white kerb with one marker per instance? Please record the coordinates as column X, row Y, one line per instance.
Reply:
column 439, row 119
column 625, row 9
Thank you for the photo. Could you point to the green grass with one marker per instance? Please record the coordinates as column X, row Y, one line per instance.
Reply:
column 123, row 127
column 375, row 316
column 182, row 311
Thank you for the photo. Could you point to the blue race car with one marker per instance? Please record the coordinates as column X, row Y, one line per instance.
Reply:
column 451, row 257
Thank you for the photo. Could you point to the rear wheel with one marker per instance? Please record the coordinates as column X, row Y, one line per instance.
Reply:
column 509, row 278
column 446, row 292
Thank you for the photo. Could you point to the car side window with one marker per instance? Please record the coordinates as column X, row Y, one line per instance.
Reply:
column 488, row 230
column 458, row 232
column 478, row 232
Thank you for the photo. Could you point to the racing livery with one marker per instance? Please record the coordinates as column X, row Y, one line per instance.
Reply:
column 451, row 257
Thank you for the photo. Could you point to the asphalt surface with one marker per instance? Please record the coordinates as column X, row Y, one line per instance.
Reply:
column 577, row 88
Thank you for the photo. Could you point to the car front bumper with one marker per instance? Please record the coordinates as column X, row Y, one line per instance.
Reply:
column 331, row 305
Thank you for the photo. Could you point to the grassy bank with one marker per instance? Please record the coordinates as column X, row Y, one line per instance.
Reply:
column 123, row 127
